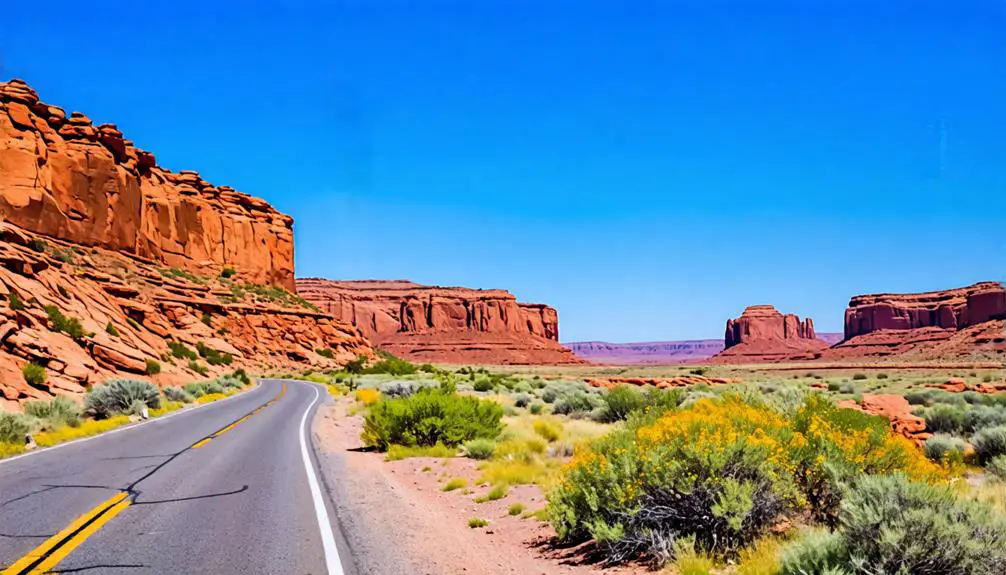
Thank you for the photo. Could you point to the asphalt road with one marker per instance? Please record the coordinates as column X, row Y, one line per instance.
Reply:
column 161, row 498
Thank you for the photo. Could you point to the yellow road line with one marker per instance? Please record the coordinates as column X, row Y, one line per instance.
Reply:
column 53, row 559
column 110, row 506
column 201, row 443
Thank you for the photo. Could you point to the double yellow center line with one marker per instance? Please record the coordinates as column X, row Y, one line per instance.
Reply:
column 44, row 557
column 47, row 555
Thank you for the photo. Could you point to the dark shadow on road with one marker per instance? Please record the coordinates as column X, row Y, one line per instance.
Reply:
column 99, row 567
column 47, row 488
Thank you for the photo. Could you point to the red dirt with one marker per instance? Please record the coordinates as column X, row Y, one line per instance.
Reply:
column 444, row 325
column 419, row 528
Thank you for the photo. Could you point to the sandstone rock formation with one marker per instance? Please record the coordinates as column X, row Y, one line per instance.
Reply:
column 438, row 324
column 67, row 178
column 895, row 408
column 761, row 333
column 106, row 258
column 963, row 322
column 130, row 309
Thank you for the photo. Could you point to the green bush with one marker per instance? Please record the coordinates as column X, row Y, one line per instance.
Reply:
column 195, row 389
column 198, row 368
column 228, row 382
column 483, row 383
column 392, row 366
column 535, row 408
column 943, row 418
column 859, row 376
column 889, row 524
column 153, row 367
column 521, row 400
column 242, row 375
column 722, row 470
column 431, row 416
column 325, row 352
column 14, row 427
column 427, row 368
column 940, row 445
column 577, row 402
column 621, row 401
column 14, row 301
column 919, row 397
column 180, row 351
column 212, row 356
column 178, row 394
column 33, row 374
column 356, row 366
column 117, row 396
column 207, row 319
column 39, row 245
column 71, row 326
column 57, row 412
column 989, row 443
column 213, row 387
column 227, row 272
column 482, row 448
column 997, row 467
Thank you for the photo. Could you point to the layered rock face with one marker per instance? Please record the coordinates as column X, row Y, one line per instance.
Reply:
column 438, row 324
column 949, row 309
column 955, row 323
column 130, row 309
column 69, row 179
column 653, row 353
column 762, row 333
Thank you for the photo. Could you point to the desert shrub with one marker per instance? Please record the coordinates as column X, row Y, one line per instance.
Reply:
column 521, row 400
column 431, row 416
column 33, row 374
column 815, row 552
column 535, row 408
column 242, row 375
column 621, row 401
column 944, row 418
column 515, row 509
column 890, row 524
column 56, row 412
column 356, row 366
column 180, row 351
column 496, row 493
column 577, row 402
column 940, row 446
column 325, row 352
column 71, row 326
column 117, row 396
column 227, row 272
column 859, row 376
column 198, row 368
column 211, row 387
column 178, row 394
column 14, row 427
column 523, row 387
column 153, row 367
column 997, row 467
column 196, row 389
column 475, row 523
column 111, row 330
column 722, row 470
column 455, row 483
column 367, row 397
column 919, row 397
column 882, row 376
column 989, row 443
column 833, row 386
column 987, row 378
column 39, row 245
column 481, row 448
column 212, row 356
column 483, row 384
column 699, row 371
column 427, row 368
column 549, row 395
column 398, row 389
column 392, row 366
column 14, row 301
column 228, row 382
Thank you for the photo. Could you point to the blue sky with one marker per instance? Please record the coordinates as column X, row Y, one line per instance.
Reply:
column 648, row 170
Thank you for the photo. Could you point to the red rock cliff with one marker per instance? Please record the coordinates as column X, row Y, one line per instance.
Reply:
column 948, row 309
column 453, row 325
column 762, row 333
column 69, row 179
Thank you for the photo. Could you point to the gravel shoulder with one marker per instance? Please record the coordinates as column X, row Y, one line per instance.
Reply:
column 397, row 520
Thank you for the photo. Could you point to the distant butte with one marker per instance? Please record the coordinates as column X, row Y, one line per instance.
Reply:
column 443, row 324
column 762, row 333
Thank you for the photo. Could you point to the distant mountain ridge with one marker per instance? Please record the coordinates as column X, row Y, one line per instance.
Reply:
column 658, row 352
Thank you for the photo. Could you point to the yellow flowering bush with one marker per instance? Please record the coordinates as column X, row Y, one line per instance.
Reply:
column 722, row 471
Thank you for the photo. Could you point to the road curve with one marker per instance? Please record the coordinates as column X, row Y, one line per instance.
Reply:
column 226, row 488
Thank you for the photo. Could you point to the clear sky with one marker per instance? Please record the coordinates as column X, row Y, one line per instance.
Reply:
column 648, row 170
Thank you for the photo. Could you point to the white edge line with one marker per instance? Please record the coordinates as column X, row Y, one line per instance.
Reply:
column 332, row 562
column 124, row 427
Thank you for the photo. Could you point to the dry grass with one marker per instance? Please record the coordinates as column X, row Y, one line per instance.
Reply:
column 456, row 483
column 396, row 452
